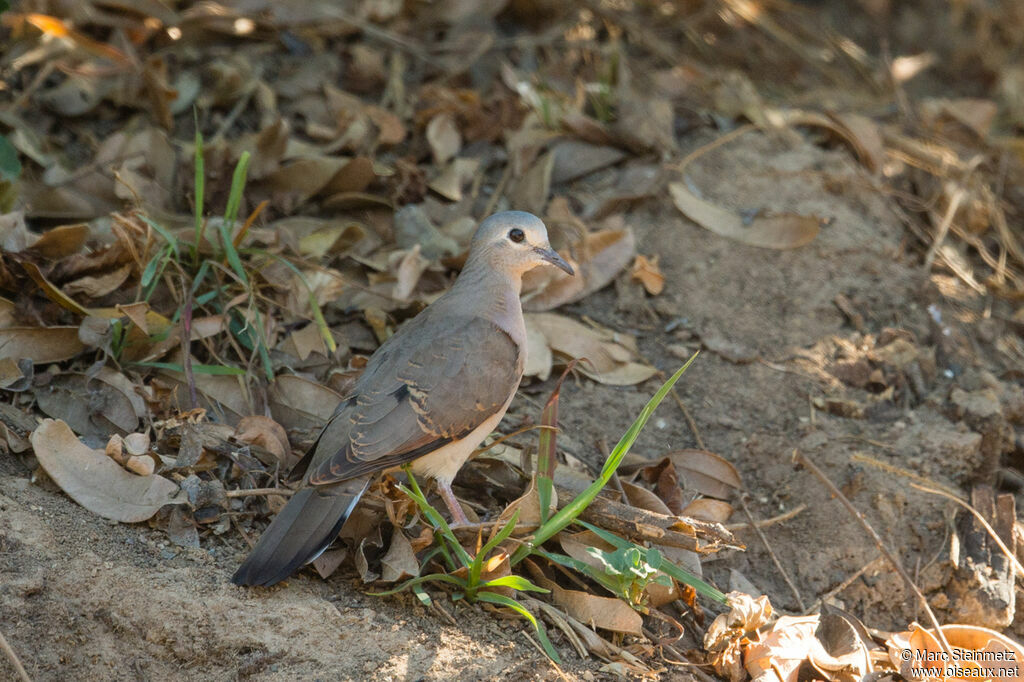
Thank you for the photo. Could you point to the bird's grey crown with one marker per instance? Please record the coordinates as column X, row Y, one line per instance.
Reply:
column 499, row 223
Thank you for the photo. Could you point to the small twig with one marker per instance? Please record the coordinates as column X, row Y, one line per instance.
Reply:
column 13, row 658
column 771, row 553
column 765, row 523
column 245, row 536
column 689, row 419
column 440, row 610
column 802, row 459
column 981, row 519
column 286, row 492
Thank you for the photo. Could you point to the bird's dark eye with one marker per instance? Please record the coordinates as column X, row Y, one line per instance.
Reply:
column 516, row 235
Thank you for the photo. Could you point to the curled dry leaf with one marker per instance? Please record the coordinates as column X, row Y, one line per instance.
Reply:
column 95, row 481
column 265, row 433
column 443, row 137
column 707, row 509
column 142, row 465
column 786, row 231
column 400, row 561
column 706, row 473
column 90, row 405
column 646, row 271
column 724, row 639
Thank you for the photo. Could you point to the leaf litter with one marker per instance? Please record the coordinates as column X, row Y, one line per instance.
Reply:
column 130, row 304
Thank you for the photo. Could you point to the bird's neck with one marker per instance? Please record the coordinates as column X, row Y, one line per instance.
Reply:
column 498, row 292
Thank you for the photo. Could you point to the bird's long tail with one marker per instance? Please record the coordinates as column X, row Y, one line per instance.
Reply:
column 300, row 532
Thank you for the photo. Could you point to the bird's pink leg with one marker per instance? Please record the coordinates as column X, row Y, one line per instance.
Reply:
column 458, row 516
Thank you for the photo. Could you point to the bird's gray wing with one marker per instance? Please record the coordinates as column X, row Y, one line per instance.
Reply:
column 432, row 385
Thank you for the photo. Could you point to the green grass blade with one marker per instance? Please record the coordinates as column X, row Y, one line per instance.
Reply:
column 568, row 514
column 421, row 594
column 439, row 577
column 231, row 215
column 163, row 232
column 478, row 563
column 542, row 634
column 435, row 518
column 516, row 582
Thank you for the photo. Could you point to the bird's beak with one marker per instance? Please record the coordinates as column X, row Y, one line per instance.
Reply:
column 549, row 255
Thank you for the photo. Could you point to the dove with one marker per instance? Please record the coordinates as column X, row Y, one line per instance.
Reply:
column 428, row 397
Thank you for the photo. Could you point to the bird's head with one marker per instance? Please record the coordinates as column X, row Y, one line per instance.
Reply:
column 515, row 242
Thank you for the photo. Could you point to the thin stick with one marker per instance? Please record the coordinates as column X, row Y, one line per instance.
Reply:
column 981, row 520
column 689, row 419
column 802, row 459
column 13, row 658
column 765, row 523
column 771, row 553
column 286, row 492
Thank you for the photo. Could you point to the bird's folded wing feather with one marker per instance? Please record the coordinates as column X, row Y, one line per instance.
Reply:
column 419, row 392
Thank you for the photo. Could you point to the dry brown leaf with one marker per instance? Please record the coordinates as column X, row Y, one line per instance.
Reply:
column 646, row 271
column 724, row 639
column 302, row 179
column 95, row 286
column 409, row 267
column 707, row 509
column 303, row 342
column 7, row 312
column 454, row 177
column 643, row 498
column 706, row 473
column 443, row 137
column 530, row 191
column 40, row 344
column 95, row 481
column 611, row 360
column 782, row 649
column 90, row 405
column 785, row 231
column 400, row 561
column 390, row 127
column 608, row 613
column 538, row 356
column 265, row 433
column 298, row 403
column 60, row 242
